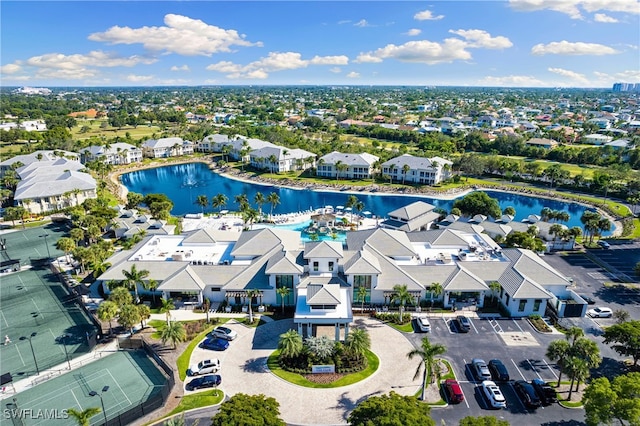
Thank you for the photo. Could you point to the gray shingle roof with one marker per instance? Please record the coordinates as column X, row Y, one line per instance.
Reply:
column 283, row 263
column 41, row 186
column 363, row 159
column 387, row 241
column 183, row 280
column 323, row 294
column 323, row 250
column 362, row 262
column 256, row 242
column 412, row 211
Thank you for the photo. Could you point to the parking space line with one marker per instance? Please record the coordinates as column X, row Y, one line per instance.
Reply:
column 517, row 396
column 494, row 324
column 516, row 366
column 534, row 368
column 465, row 396
column 474, row 327
column 448, row 326
column 518, row 325
column 550, row 369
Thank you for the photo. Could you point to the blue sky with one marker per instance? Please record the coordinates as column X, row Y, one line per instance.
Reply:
column 514, row 43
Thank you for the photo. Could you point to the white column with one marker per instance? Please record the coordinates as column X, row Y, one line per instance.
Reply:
column 300, row 329
column 337, row 332
column 346, row 331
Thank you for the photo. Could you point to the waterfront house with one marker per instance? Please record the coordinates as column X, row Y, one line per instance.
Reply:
column 166, row 147
column 117, row 153
column 421, row 170
column 356, row 166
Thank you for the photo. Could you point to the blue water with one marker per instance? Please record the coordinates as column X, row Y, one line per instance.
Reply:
column 183, row 183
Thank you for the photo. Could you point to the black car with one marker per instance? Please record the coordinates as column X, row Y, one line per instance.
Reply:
column 498, row 371
column 208, row 381
column 463, row 324
column 527, row 394
column 587, row 299
column 545, row 392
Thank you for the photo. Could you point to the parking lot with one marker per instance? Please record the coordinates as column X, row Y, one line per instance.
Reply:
column 517, row 345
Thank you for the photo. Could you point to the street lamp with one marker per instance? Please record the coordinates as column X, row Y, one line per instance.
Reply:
column 32, row 351
column 94, row 393
column 47, row 245
column 63, row 338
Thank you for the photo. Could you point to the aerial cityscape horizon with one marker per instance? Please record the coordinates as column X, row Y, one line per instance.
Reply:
column 515, row 43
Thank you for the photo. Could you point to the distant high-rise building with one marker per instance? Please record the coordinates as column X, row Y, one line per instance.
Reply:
column 626, row 87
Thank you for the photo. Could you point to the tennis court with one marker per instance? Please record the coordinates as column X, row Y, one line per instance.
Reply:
column 31, row 243
column 132, row 378
column 38, row 308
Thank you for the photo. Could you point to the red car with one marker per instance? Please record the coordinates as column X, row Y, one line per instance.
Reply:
column 454, row 391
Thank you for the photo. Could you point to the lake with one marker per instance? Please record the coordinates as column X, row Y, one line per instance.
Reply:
column 183, row 183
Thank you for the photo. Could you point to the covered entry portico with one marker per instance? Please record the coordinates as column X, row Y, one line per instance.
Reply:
column 323, row 304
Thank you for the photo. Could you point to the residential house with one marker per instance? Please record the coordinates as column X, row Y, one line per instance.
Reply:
column 166, row 147
column 117, row 153
column 542, row 143
column 421, row 170
column 36, row 157
column 279, row 159
column 356, row 166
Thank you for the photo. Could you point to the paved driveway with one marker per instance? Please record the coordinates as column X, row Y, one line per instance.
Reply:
column 244, row 370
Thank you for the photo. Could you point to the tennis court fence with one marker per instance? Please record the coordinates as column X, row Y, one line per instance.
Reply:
column 157, row 399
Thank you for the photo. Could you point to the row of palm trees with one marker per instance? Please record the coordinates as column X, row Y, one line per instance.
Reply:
column 219, row 201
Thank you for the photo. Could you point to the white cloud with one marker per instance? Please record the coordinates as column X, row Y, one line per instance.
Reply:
column 481, row 38
column 275, row 61
column 95, row 58
column 10, row 69
column 335, row 70
column 16, row 78
column 569, row 74
column 573, row 8
column 181, row 35
column 422, row 51
column 513, row 81
column 362, row 23
column 427, row 15
column 601, row 17
column 344, row 21
column 413, row 32
column 184, row 67
column 568, row 48
column 353, row 74
column 138, row 78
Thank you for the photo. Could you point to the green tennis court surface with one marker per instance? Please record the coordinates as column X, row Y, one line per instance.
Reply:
column 131, row 376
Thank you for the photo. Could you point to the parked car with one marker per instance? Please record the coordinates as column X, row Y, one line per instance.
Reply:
column 205, row 367
column 480, row 369
column 588, row 299
column 605, row 245
column 545, row 392
column 463, row 324
column 423, row 324
column 454, row 391
column 600, row 312
column 498, row 370
column 494, row 394
column 208, row 381
column 224, row 333
column 527, row 394
column 214, row 344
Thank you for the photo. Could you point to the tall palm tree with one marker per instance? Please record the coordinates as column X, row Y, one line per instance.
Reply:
column 134, row 277
column 273, row 160
column 259, row 199
column 67, row 245
column 242, row 201
column 495, row 287
column 166, row 308
column 119, row 295
column 250, row 216
column 283, row 292
column 219, row 201
column 202, row 201
column 358, row 342
column 174, row 332
column 405, row 170
column 274, row 200
column 250, row 295
column 428, row 353
column 558, row 351
column 391, row 168
column 352, row 200
column 290, row 344
column 573, row 334
column 83, row 418
column 402, row 296
column 361, row 296
column 107, row 311
column 436, row 290
column 151, row 285
column 145, row 312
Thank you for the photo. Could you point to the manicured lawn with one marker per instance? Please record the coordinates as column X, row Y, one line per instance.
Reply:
column 405, row 328
column 297, row 379
column 140, row 132
column 201, row 399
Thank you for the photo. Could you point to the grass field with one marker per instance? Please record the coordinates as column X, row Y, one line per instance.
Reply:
column 96, row 130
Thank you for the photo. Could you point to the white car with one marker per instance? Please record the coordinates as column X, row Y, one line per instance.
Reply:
column 494, row 394
column 600, row 312
column 423, row 324
column 224, row 333
column 205, row 367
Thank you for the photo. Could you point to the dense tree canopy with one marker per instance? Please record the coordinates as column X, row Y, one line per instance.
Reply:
column 605, row 401
column 478, row 202
column 391, row 410
column 248, row 410
column 625, row 338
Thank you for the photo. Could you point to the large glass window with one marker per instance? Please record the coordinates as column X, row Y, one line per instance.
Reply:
column 362, row 281
column 522, row 305
column 285, row 281
column 536, row 305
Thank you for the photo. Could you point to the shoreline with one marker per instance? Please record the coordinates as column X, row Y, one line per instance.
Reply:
column 372, row 189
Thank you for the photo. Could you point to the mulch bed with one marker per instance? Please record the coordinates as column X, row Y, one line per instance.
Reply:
column 323, row 378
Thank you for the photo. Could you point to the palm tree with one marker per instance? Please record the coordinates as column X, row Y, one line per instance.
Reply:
column 119, row 295
column 206, row 305
column 166, row 308
column 242, row 201
column 151, row 285
column 259, row 199
column 436, row 290
column 129, row 316
column 405, row 170
column 107, row 311
column 274, row 200
column 358, row 342
column 361, row 296
column 250, row 295
column 219, row 201
column 273, row 160
column 558, row 351
column 352, row 200
column 283, row 292
column 428, row 353
column 174, row 332
column 202, row 201
column 83, row 418
column 290, row 344
column 495, row 287
column 67, row 245
column 402, row 296
column 391, row 168
column 250, row 216
column 133, row 278
column 573, row 334
column 145, row 312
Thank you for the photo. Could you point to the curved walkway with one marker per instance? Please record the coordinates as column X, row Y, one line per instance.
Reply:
column 244, row 371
